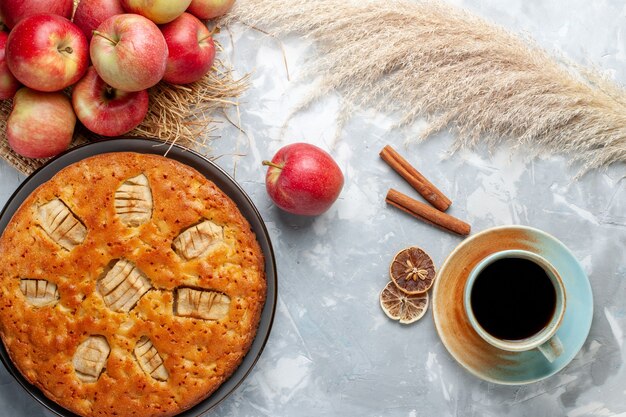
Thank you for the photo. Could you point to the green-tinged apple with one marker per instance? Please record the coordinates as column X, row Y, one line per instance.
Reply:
column 303, row 179
column 159, row 11
column 41, row 124
column 129, row 52
column 8, row 83
column 209, row 9
column 47, row 52
column 16, row 10
column 104, row 110
column 191, row 49
column 90, row 14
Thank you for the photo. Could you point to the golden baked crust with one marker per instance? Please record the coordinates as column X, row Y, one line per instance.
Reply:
column 105, row 276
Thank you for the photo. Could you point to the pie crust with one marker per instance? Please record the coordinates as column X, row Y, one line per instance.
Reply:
column 130, row 285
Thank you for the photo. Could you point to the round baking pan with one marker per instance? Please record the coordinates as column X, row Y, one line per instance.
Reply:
column 225, row 183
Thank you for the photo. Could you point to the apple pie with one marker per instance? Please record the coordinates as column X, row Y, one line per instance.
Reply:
column 130, row 285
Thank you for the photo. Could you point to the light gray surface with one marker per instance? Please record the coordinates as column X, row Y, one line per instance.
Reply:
column 332, row 351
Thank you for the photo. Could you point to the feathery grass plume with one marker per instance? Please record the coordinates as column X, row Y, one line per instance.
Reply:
column 430, row 59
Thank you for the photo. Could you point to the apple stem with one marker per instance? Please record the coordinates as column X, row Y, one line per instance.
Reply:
column 109, row 92
column 205, row 38
column 216, row 29
column 69, row 50
column 272, row 164
column 96, row 33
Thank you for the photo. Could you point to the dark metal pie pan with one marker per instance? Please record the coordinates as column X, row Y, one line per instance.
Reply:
column 211, row 171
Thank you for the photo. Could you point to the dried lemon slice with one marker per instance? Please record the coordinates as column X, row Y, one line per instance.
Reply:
column 403, row 307
column 412, row 270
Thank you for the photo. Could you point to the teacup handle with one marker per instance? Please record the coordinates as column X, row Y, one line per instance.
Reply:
column 552, row 348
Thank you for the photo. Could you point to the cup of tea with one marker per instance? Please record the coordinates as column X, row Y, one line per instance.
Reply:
column 515, row 301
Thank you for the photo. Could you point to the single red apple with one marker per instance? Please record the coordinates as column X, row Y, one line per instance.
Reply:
column 90, row 14
column 159, row 11
column 47, row 52
column 191, row 49
column 303, row 179
column 104, row 110
column 16, row 10
column 41, row 124
column 209, row 9
column 8, row 83
column 129, row 52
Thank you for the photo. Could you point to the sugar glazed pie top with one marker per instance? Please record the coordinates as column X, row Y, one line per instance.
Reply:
column 130, row 286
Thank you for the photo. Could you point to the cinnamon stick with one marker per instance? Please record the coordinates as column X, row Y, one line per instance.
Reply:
column 426, row 189
column 426, row 213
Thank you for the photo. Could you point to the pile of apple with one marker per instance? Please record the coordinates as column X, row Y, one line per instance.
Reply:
column 110, row 55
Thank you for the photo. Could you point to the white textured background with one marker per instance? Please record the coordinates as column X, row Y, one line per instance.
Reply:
column 332, row 351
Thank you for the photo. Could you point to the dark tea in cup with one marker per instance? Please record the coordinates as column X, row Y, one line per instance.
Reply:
column 513, row 298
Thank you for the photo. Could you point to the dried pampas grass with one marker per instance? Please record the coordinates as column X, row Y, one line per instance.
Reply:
column 430, row 59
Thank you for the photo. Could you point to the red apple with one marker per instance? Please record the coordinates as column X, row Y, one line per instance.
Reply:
column 16, row 10
column 8, row 83
column 3, row 25
column 90, row 14
column 129, row 52
column 209, row 9
column 41, row 124
column 191, row 49
column 47, row 52
column 105, row 110
column 159, row 11
column 303, row 179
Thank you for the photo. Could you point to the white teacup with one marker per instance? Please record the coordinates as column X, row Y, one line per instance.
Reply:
column 545, row 340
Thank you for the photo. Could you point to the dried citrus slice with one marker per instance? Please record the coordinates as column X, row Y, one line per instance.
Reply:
column 403, row 307
column 412, row 270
